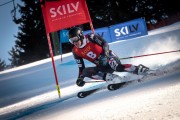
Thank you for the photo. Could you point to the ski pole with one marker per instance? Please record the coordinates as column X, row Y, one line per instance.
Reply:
column 149, row 54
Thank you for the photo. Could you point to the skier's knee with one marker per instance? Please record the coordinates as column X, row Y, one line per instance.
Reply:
column 88, row 72
column 85, row 73
column 120, row 68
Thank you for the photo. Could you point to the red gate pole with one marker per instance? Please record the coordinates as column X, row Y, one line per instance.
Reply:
column 90, row 22
column 42, row 2
column 54, row 67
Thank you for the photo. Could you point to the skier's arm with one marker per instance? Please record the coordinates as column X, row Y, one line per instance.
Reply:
column 81, row 66
column 101, row 42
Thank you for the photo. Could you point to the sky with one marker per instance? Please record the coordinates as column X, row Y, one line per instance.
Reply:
column 8, row 29
column 29, row 91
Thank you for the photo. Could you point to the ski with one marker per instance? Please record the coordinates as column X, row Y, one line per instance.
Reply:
column 112, row 87
column 116, row 86
column 84, row 94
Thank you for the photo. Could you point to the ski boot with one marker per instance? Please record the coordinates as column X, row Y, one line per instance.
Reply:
column 114, row 81
column 112, row 78
column 141, row 70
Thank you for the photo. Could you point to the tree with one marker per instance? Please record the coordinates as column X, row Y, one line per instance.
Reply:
column 2, row 65
column 15, row 60
column 31, row 43
column 108, row 12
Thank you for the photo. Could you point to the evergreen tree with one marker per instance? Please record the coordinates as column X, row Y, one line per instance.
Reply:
column 108, row 12
column 31, row 43
column 2, row 65
column 15, row 60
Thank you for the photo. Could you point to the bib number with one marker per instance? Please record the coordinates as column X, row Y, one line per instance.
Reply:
column 91, row 55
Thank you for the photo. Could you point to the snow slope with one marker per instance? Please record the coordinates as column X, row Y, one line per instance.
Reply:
column 28, row 92
column 156, row 99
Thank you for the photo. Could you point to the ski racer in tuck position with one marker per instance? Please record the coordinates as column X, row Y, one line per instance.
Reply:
column 95, row 49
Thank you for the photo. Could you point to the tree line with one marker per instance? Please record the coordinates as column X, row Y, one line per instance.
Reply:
column 31, row 42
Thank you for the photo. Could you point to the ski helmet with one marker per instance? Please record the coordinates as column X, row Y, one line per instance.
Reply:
column 75, row 34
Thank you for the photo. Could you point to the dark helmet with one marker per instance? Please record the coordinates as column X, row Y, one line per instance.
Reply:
column 75, row 32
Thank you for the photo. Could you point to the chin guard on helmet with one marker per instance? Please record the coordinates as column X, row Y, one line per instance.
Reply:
column 74, row 39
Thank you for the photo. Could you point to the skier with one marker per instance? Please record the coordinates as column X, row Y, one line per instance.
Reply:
column 95, row 49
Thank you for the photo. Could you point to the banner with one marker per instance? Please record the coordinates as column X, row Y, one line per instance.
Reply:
column 103, row 32
column 64, row 36
column 128, row 30
column 64, row 13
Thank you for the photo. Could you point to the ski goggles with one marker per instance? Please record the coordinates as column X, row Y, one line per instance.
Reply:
column 74, row 39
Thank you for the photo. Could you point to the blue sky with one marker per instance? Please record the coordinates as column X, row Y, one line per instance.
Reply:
column 8, row 30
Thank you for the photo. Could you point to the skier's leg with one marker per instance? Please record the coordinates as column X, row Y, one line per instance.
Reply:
column 97, row 72
column 102, row 73
column 115, row 64
column 139, row 70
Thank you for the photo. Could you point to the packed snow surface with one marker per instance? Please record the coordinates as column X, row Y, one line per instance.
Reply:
column 29, row 92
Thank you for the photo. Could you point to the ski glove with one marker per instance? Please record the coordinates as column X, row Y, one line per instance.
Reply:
column 103, row 60
column 80, row 81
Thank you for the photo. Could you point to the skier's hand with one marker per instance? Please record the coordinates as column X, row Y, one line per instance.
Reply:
column 80, row 82
column 103, row 60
